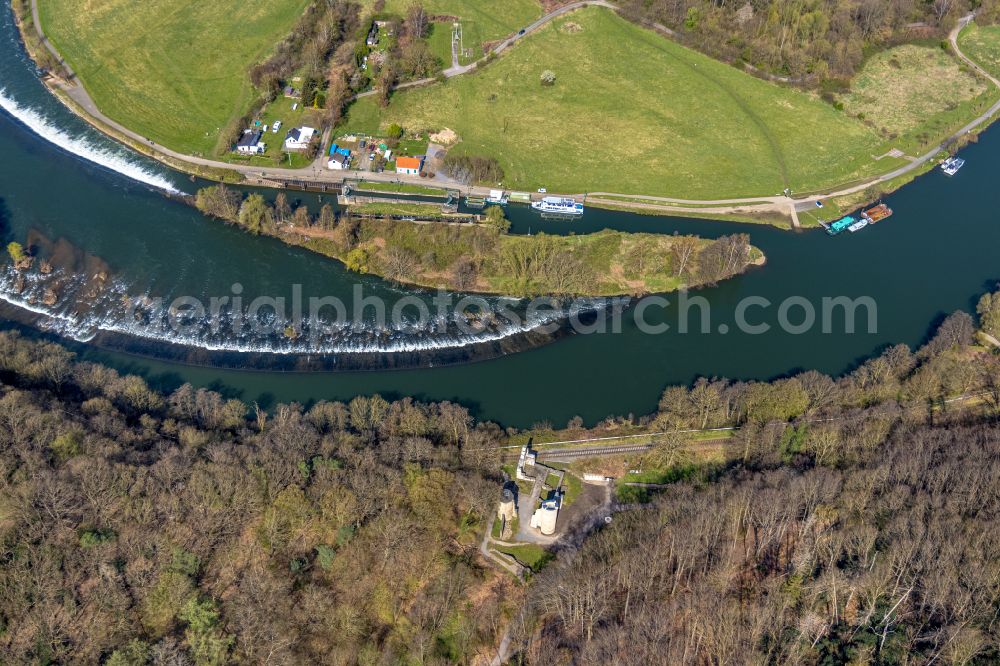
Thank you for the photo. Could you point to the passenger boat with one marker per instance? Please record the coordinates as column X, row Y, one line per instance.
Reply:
column 558, row 205
column 858, row 226
column 840, row 225
column 951, row 165
column 877, row 213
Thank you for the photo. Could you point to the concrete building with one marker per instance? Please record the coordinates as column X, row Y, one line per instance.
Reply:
column 527, row 460
column 507, row 513
column 547, row 514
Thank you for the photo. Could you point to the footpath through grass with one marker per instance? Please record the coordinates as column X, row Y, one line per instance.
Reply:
column 172, row 70
column 634, row 112
column 982, row 44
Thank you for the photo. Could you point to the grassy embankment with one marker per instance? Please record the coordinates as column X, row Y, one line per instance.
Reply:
column 982, row 44
column 421, row 211
column 399, row 188
column 172, row 70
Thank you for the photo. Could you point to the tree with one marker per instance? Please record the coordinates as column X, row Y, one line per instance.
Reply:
column 394, row 131
column 282, row 211
column 398, row 264
column 988, row 310
column 417, row 61
column 254, row 214
column 302, row 218
column 464, row 274
column 218, row 201
column 496, row 218
column 16, row 252
column 386, row 81
column 338, row 92
column 548, row 78
column 327, row 219
column 683, row 249
column 357, row 260
column 417, row 22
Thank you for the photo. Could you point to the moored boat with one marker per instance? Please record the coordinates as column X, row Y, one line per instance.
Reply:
column 840, row 225
column 497, row 197
column 858, row 226
column 877, row 213
column 951, row 165
column 558, row 205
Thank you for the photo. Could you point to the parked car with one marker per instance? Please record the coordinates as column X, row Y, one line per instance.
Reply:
column 276, row 126
column 542, row 190
column 364, row 144
column 371, row 156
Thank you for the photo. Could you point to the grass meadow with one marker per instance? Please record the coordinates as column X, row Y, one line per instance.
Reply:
column 982, row 44
column 634, row 112
column 172, row 70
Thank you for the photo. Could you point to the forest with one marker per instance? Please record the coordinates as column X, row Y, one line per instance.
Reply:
column 807, row 41
column 856, row 522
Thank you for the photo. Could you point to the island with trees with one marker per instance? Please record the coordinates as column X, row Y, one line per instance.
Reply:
column 482, row 257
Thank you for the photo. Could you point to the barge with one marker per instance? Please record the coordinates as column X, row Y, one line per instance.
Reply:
column 877, row 213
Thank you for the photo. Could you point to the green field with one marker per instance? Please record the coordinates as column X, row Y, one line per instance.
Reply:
column 916, row 95
column 532, row 556
column 634, row 112
column 172, row 70
column 481, row 22
column 982, row 44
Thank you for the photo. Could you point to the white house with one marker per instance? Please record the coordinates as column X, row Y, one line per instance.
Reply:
column 409, row 165
column 338, row 161
column 298, row 138
column 250, row 143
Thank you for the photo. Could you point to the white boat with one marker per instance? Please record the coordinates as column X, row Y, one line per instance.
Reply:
column 858, row 226
column 497, row 197
column 951, row 165
column 558, row 205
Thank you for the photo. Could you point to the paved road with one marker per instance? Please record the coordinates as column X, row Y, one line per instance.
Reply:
column 319, row 176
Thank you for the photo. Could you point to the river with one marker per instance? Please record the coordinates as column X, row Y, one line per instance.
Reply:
column 104, row 211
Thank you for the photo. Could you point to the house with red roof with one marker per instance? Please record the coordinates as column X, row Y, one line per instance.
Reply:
column 409, row 165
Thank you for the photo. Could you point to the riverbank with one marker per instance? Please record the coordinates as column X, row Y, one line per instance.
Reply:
column 75, row 97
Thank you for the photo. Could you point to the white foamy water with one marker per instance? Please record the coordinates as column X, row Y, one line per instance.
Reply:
column 114, row 159
column 108, row 312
